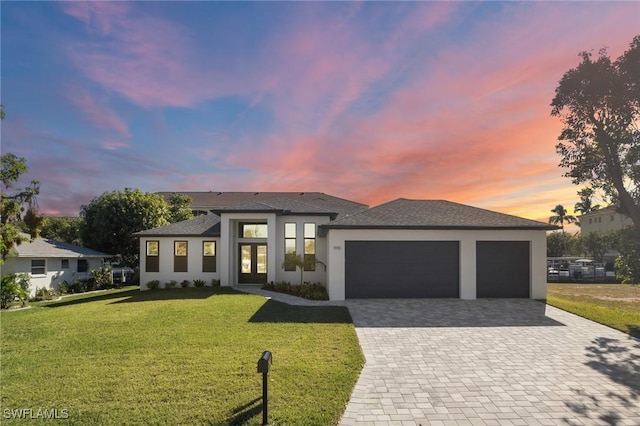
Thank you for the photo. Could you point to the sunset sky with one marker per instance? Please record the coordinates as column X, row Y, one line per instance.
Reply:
column 366, row 101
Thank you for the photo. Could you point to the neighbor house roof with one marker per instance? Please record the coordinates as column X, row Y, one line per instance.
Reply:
column 295, row 202
column 204, row 225
column 43, row 247
column 279, row 205
column 433, row 214
column 602, row 211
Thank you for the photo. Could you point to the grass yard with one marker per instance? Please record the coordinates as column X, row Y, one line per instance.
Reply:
column 615, row 305
column 178, row 356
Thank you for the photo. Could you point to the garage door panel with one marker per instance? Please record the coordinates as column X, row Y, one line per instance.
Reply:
column 503, row 269
column 386, row 269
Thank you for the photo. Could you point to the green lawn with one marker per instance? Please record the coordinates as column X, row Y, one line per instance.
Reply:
column 615, row 305
column 179, row 356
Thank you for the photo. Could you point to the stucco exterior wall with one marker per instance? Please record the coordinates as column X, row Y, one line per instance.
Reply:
column 54, row 274
column 467, row 238
column 603, row 221
column 317, row 276
column 229, row 229
column 166, row 270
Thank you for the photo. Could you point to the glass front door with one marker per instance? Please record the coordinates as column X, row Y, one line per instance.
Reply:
column 253, row 263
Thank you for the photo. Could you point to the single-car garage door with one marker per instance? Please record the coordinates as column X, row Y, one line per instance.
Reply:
column 402, row 269
column 502, row 269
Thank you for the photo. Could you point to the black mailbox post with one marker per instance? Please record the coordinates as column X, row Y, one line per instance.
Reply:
column 264, row 363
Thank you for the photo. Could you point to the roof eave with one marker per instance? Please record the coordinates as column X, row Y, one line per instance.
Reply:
column 445, row 227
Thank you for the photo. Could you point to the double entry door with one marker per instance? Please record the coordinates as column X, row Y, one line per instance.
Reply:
column 253, row 263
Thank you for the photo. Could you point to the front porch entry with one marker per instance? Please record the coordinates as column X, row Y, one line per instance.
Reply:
column 253, row 263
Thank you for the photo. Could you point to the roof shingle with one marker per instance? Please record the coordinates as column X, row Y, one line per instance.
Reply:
column 43, row 247
column 204, row 225
column 434, row 214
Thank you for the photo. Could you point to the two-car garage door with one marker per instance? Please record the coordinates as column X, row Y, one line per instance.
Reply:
column 430, row 269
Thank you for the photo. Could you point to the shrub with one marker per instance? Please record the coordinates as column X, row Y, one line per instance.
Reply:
column 88, row 284
column 184, row 283
column 215, row 282
column 315, row 291
column 628, row 263
column 171, row 284
column 12, row 289
column 44, row 294
column 198, row 283
column 76, row 287
column 153, row 284
column 63, row 287
column 103, row 277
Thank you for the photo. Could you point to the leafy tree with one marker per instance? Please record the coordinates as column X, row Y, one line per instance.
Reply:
column 599, row 104
column 561, row 216
column 13, row 201
column 65, row 229
column 180, row 208
column 628, row 263
column 560, row 244
column 596, row 244
column 33, row 222
column 585, row 205
column 112, row 218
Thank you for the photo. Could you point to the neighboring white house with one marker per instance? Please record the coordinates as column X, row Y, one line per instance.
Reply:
column 50, row 262
column 603, row 220
column 404, row 248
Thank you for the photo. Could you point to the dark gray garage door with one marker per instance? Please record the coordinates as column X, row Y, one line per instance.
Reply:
column 502, row 268
column 388, row 269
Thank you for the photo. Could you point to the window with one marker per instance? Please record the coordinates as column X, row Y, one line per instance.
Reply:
column 152, row 261
column 208, row 256
column 83, row 265
column 38, row 267
column 64, row 264
column 309, row 246
column 289, row 244
column 253, row 230
column 589, row 220
column 180, row 256
column 611, row 218
column 152, row 248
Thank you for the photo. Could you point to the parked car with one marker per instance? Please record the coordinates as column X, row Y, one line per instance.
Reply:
column 121, row 273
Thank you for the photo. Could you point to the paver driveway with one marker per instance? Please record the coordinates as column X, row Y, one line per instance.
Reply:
column 490, row 362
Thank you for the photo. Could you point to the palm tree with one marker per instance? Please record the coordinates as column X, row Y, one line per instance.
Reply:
column 585, row 205
column 561, row 216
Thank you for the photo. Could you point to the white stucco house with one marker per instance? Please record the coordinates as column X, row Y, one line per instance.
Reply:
column 400, row 249
column 604, row 220
column 49, row 262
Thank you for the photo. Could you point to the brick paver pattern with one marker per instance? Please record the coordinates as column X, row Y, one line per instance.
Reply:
column 490, row 362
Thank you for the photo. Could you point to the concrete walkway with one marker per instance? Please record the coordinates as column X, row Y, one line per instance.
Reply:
column 490, row 362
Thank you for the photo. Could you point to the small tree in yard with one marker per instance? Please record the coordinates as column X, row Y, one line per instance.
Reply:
column 14, row 287
column 298, row 261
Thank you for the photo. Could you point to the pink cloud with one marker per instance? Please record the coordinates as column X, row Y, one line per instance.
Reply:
column 145, row 59
column 97, row 112
column 113, row 145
